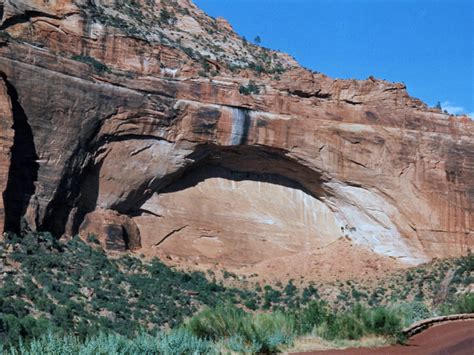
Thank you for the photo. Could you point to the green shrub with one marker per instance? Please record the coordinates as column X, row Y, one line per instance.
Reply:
column 413, row 312
column 313, row 316
column 240, row 345
column 385, row 322
column 98, row 66
column 250, row 89
column 351, row 324
column 251, row 304
column 262, row 333
column 177, row 341
column 167, row 17
column 346, row 326
column 459, row 304
column 181, row 341
column 91, row 238
column 218, row 323
column 309, row 293
column 272, row 330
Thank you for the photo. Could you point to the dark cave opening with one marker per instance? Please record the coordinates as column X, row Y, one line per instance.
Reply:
column 23, row 170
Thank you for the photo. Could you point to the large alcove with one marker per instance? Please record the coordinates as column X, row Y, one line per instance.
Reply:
column 239, row 206
column 215, row 214
column 235, row 206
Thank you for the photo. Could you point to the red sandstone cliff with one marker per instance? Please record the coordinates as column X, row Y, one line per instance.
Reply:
column 157, row 127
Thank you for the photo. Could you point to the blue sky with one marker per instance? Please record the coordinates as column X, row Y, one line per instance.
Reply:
column 426, row 44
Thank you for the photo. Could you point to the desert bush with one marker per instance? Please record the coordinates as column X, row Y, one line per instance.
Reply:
column 221, row 322
column 413, row 312
column 244, row 332
column 351, row 324
column 345, row 326
column 67, row 284
column 313, row 316
column 177, row 341
column 181, row 341
column 98, row 66
column 250, row 89
column 385, row 322
column 459, row 304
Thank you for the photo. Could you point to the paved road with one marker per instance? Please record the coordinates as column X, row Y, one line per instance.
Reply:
column 452, row 338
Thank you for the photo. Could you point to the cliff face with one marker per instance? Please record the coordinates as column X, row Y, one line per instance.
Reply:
column 160, row 129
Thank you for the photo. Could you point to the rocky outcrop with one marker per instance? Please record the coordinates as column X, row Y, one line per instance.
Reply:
column 156, row 126
column 6, row 143
column 114, row 231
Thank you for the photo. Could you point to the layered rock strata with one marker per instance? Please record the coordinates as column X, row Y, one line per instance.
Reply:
column 161, row 130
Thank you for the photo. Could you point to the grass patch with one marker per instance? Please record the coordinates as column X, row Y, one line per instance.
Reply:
column 245, row 332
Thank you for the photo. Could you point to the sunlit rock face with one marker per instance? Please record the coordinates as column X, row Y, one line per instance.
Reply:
column 236, row 218
column 114, row 130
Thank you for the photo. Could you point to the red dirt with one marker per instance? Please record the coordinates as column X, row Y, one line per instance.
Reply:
column 317, row 265
column 448, row 338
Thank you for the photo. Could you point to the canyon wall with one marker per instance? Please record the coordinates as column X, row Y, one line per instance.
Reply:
column 161, row 130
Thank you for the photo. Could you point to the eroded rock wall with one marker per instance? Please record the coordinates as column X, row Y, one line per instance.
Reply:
column 6, row 143
column 121, row 127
